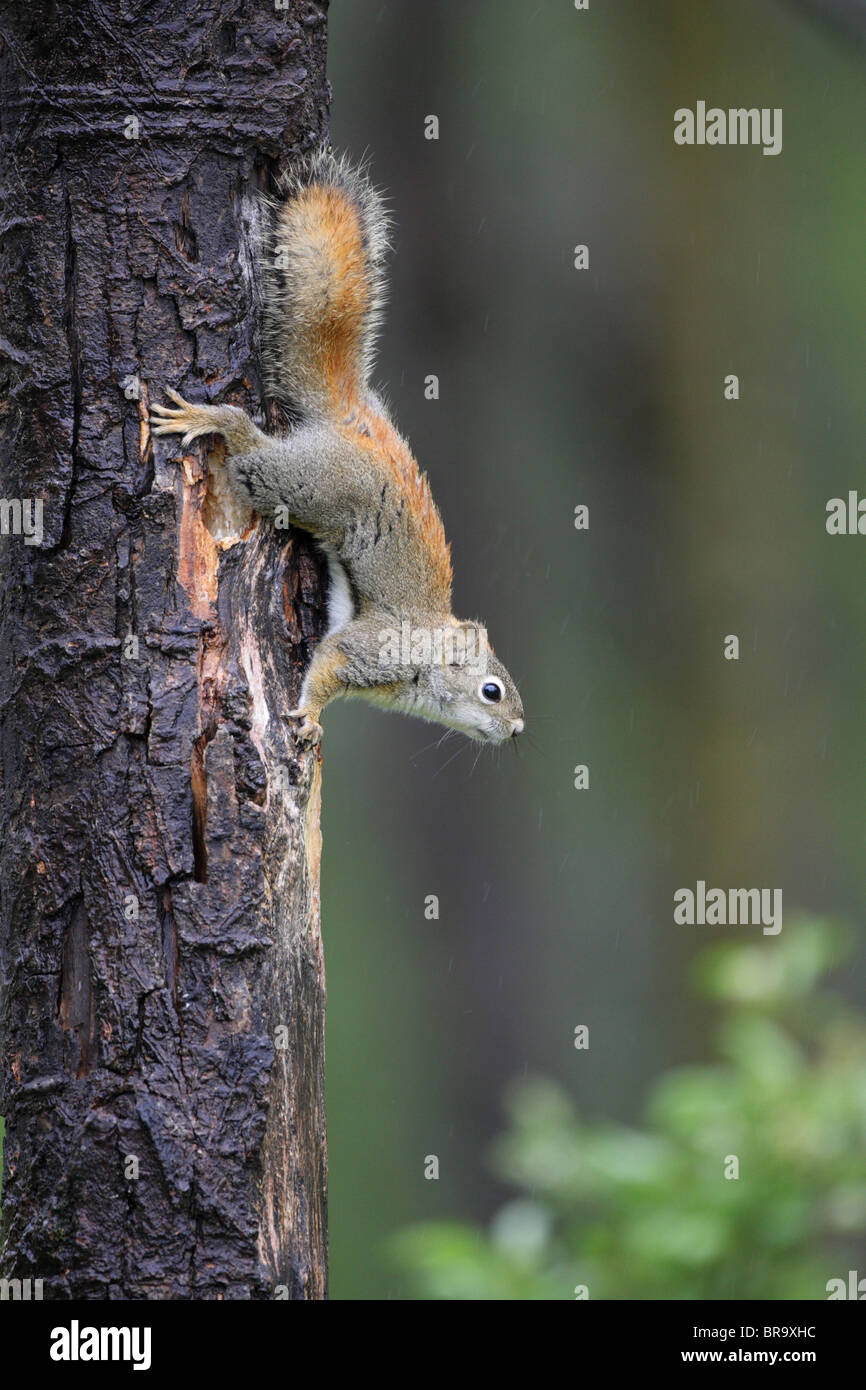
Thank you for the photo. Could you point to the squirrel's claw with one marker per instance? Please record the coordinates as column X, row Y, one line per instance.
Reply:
column 309, row 730
column 167, row 413
column 186, row 419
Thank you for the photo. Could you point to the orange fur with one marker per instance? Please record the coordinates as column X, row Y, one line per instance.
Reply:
column 322, row 225
column 325, row 679
column 375, row 433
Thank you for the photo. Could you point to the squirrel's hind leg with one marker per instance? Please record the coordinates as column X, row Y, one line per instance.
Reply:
column 324, row 680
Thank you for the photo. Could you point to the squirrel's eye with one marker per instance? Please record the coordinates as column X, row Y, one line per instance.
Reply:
column 491, row 691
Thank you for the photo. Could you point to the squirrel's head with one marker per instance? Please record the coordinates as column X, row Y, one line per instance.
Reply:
column 465, row 687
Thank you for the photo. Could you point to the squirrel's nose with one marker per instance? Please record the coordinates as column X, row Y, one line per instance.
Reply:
column 517, row 728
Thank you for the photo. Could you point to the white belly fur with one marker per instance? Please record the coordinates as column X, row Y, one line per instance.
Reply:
column 341, row 608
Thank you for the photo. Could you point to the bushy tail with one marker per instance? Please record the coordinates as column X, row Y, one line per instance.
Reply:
column 324, row 285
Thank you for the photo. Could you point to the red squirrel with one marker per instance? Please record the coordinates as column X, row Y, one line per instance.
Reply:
column 344, row 474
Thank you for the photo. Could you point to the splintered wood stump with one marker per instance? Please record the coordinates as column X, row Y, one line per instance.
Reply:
column 163, row 985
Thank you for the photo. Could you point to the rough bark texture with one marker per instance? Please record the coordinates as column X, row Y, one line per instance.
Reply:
column 163, row 986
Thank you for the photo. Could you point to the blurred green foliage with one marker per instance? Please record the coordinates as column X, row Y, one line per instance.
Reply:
column 649, row 1213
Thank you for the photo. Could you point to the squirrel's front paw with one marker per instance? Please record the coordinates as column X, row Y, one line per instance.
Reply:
column 309, row 730
column 187, row 419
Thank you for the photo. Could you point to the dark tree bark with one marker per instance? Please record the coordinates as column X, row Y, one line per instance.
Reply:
column 163, row 987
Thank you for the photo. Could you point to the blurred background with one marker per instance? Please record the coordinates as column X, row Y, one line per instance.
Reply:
column 455, row 1037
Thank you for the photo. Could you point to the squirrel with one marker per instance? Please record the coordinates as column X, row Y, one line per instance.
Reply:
column 344, row 474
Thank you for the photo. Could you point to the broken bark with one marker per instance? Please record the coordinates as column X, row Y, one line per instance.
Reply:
column 162, row 1020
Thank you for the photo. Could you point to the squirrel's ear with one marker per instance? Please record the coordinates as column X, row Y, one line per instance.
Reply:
column 473, row 631
column 469, row 645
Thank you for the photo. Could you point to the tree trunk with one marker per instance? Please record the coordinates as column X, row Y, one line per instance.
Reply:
column 163, row 986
